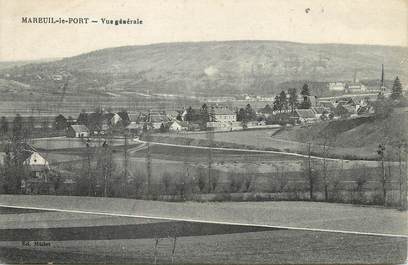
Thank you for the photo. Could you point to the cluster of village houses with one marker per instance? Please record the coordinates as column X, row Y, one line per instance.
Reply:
column 220, row 118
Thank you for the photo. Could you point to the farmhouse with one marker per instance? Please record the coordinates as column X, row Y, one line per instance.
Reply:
column 36, row 169
column 219, row 114
column 173, row 114
column 77, row 131
column 351, row 109
column 36, row 163
column 116, row 118
column 319, row 112
column 224, row 126
column 345, row 111
column 337, row 86
column 177, row 126
column 97, row 122
column 124, row 116
column 305, row 116
column 157, row 120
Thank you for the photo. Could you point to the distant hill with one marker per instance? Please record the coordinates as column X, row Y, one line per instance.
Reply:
column 10, row 64
column 211, row 68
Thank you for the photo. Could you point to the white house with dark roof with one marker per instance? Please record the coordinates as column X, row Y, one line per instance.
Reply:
column 35, row 162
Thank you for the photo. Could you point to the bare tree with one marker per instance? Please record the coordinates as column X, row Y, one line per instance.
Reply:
column 309, row 174
column 167, row 182
column 235, row 181
column 173, row 236
column 214, row 181
column 325, row 140
column 173, row 250
column 200, row 179
column 210, row 138
column 248, row 181
column 156, row 251
column 381, row 153
column 281, row 181
column 360, row 181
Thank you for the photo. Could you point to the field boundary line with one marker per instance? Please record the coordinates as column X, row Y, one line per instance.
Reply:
column 203, row 221
column 248, row 150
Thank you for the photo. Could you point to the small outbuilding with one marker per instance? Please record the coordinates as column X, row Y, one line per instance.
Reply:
column 77, row 131
column 305, row 116
column 177, row 126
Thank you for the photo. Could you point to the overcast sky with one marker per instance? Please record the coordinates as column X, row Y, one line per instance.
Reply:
column 330, row 21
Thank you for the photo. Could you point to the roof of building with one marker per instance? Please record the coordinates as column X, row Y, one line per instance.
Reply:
column 222, row 111
column 318, row 110
column 351, row 109
column 26, row 146
column 355, row 85
column 25, row 154
column 78, row 128
column 305, row 113
column 158, row 118
column 172, row 113
column 123, row 115
column 134, row 116
column 266, row 110
column 326, row 104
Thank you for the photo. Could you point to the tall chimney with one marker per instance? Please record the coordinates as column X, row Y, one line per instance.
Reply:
column 382, row 75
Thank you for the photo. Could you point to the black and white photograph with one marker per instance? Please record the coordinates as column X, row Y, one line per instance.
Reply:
column 203, row 132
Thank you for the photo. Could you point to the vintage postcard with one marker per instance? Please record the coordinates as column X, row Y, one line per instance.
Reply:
column 203, row 132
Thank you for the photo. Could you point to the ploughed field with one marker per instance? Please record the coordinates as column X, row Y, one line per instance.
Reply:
column 31, row 236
